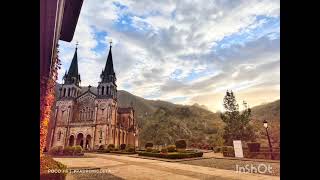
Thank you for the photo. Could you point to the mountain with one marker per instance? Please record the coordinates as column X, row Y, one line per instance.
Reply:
column 164, row 122
column 268, row 111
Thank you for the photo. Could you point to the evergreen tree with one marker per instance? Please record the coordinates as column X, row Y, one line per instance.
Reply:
column 237, row 124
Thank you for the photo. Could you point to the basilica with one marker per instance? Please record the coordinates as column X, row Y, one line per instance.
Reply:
column 91, row 118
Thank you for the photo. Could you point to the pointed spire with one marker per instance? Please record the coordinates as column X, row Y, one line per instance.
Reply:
column 108, row 70
column 73, row 70
column 72, row 76
column 108, row 73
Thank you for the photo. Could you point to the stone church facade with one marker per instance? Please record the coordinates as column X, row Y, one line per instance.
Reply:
column 90, row 119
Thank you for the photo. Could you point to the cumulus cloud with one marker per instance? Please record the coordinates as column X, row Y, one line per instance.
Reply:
column 182, row 51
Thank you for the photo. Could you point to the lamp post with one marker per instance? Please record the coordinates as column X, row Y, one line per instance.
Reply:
column 265, row 124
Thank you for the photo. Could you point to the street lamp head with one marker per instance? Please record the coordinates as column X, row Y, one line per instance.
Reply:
column 265, row 124
column 134, row 134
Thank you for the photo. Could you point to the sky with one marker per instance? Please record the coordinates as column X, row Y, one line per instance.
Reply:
column 181, row 51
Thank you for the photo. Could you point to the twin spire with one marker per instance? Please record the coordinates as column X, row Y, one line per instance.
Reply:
column 108, row 74
column 73, row 77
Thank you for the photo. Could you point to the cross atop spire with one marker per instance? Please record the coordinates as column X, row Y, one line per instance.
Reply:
column 110, row 43
column 77, row 43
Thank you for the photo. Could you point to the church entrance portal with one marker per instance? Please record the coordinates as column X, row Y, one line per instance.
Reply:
column 80, row 139
column 88, row 141
column 71, row 140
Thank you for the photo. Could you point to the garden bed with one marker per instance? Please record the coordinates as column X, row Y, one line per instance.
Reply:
column 172, row 155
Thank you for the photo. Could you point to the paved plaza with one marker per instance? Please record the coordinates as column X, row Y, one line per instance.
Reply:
column 126, row 167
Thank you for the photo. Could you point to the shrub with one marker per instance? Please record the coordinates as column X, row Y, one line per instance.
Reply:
column 122, row 146
column 111, row 147
column 172, row 155
column 181, row 150
column 155, row 151
column 148, row 144
column 129, row 148
column 57, row 150
column 105, row 151
column 164, row 150
column 171, row 148
column 148, row 149
column 253, row 146
column 181, row 144
column 218, row 149
column 228, row 151
column 227, row 148
column 102, row 147
column 77, row 149
column 68, row 150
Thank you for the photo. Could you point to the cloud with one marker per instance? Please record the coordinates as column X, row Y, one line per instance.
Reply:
column 182, row 51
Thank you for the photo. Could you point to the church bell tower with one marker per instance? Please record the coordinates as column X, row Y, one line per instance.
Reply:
column 107, row 87
column 71, row 85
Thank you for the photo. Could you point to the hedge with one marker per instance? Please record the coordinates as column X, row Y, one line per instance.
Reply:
column 181, row 144
column 171, row 148
column 227, row 148
column 122, row 152
column 69, row 150
column 77, row 149
column 253, row 147
column 172, row 155
column 130, row 149
column 148, row 144
column 57, row 150
column 164, row 150
column 148, row 149
column 122, row 146
column 111, row 147
column 217, row 149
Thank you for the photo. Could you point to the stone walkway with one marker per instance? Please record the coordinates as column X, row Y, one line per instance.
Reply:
column 125, row 167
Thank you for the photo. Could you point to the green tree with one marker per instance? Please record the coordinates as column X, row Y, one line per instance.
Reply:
column 237, row 124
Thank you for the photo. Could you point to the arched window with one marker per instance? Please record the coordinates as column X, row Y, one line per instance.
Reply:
column 102, row 90
column 107, row 90
column 100, row 134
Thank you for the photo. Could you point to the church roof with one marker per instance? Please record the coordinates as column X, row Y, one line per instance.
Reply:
column 88, row 89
